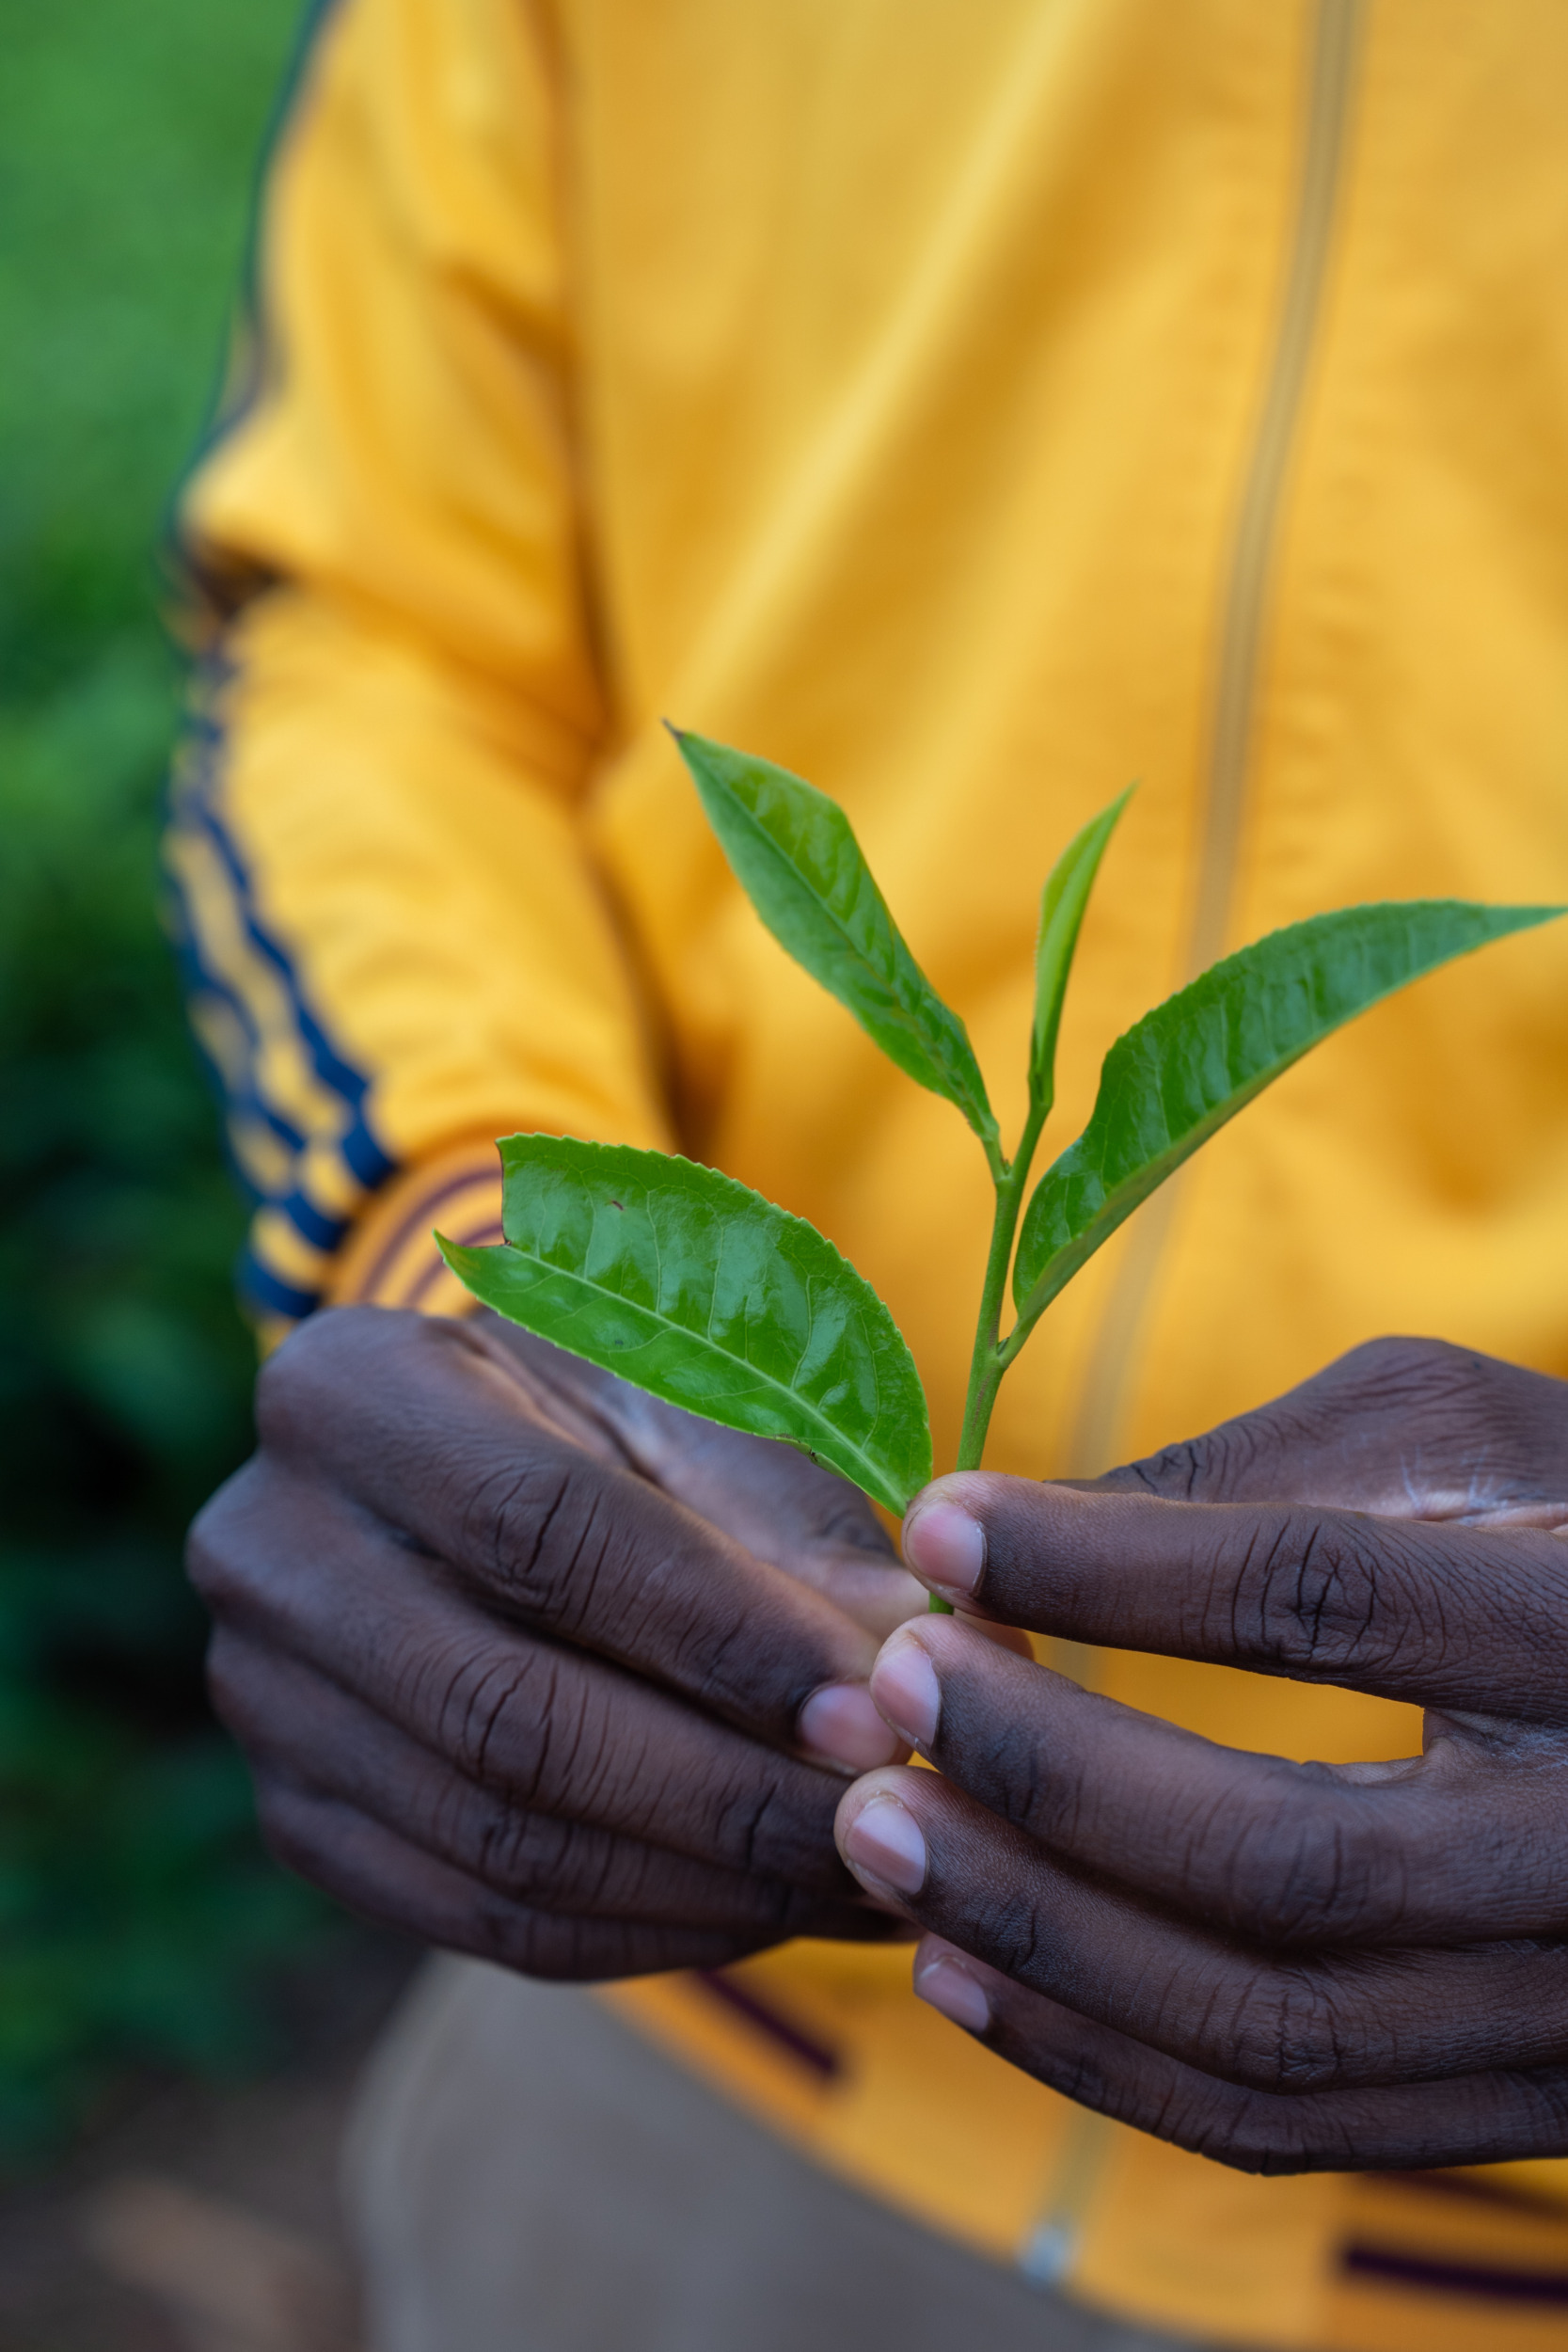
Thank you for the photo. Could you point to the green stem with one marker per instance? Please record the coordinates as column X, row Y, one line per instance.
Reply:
column 985, row 1365
column 990, row 1358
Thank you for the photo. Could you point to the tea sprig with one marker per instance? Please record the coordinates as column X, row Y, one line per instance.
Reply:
column 698, row 1289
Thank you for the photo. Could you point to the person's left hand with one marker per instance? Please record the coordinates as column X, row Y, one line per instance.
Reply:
column 1284, row 1966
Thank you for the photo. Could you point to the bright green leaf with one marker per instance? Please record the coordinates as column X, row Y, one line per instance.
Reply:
column 697, row 1289
column 1062, row 904
column 1196, row 1059
column 796, row 857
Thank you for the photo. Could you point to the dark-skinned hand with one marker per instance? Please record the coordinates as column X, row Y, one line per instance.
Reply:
column 1285, row 1967
column 532, row 1666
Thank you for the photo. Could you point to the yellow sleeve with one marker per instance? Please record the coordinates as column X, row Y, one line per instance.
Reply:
column 396, row 943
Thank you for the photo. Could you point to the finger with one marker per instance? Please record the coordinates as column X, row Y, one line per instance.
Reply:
column 814, row 1527
column 1466, row 1618
column 428, row 1435
column 547, row 1728
column 783, row 1507
column 1407, row 1428
column 380, row 1875
column 1477, row 2118
column 305, row 1734
column 1311, row 2023
column 1467, row 1842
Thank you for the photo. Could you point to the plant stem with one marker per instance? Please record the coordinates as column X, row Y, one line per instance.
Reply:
column 990, row 1360
column 985, row 1365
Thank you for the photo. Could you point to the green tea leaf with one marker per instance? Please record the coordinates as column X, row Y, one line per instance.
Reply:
column 796, row 857
column 1196, row 1060
column 1062, row 904
column 696, row 1288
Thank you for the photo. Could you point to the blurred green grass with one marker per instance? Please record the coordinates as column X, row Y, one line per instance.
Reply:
column 138, row 1913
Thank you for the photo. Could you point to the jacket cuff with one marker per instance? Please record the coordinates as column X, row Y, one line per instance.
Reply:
column 390, row 1259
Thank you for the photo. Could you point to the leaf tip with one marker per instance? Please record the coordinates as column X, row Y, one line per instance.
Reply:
column 456, row 1253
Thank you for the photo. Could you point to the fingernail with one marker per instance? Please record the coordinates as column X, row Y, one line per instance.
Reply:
column 904, row 1685
column 884, row 1843
column 945, row 1984
column 946, row 1547
column 842, row 1721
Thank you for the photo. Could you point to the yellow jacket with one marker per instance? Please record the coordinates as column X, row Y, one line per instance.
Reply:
column 971, row 407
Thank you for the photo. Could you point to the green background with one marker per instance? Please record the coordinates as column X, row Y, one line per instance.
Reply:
column 137, row 1915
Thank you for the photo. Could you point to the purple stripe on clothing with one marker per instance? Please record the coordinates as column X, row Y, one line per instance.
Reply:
column 432, row 1275
column 1481, row 2281
column 419, row 1212
column 778, row 2029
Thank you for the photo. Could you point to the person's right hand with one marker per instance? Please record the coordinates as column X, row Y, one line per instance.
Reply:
column 533, row 1667
column 1284, row 1966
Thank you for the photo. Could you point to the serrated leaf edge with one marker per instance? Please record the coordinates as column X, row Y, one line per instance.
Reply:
column 1060, row 1268
column 876, row 1486
column 974, row 1109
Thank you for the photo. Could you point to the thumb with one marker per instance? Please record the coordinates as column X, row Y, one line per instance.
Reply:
column 1407, row 1428
column 1441, row 1615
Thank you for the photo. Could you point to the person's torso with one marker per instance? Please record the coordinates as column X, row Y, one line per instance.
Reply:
column 984, row 408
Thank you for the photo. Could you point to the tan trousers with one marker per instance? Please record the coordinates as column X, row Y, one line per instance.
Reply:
column 527, row 2175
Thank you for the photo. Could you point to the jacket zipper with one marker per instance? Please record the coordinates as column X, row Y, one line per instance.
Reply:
column 1337, row 37
column 1051, row 2248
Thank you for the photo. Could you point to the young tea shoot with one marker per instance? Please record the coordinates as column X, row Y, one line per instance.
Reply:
column 694, row 1287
